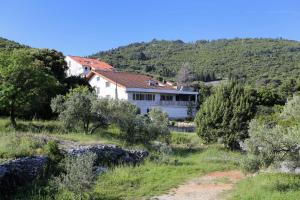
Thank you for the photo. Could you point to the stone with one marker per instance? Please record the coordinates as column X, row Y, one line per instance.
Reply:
column 109, row 155
column 21, row 171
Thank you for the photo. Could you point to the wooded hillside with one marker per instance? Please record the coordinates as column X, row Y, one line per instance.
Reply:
column 261, row 61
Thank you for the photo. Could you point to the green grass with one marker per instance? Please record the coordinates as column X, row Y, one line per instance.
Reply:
column 190, row 159
column 150, row 178
column 268, row 186
column 14, row 145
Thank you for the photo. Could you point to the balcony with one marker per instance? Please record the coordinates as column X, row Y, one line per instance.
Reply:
column 177, row 103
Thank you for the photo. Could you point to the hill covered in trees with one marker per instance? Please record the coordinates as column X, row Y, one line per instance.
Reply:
column 258, row 61
column 9, row 44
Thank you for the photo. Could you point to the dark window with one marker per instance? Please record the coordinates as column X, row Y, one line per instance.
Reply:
column 185, row 97
column 141, row 97
column 164, row 97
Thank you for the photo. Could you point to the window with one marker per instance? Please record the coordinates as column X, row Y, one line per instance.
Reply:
column 98, row 78
column 185, row 97
column 107, row 84
column 164, row 97
column 141, row 97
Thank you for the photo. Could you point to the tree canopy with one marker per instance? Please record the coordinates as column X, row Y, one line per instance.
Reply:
column 258, row 61
column 23, row 86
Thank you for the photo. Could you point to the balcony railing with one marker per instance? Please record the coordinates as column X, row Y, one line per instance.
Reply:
column 177, row 103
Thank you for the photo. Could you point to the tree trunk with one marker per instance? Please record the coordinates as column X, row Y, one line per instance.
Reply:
column 12, row 116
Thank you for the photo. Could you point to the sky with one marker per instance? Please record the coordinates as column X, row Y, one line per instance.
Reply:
column 83, row 27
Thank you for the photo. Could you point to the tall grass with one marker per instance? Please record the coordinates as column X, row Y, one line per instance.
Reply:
column 150, row 178
column 272, row 186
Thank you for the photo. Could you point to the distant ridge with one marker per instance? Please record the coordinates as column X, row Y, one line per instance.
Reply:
column 259, row 60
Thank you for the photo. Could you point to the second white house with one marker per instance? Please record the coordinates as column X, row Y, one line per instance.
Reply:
column 144, row 92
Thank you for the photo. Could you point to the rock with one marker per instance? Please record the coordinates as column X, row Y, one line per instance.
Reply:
column 109, row 155
column 21, row 171
column 100, row 170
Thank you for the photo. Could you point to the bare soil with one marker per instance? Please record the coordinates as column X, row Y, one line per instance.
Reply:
column 211, row 186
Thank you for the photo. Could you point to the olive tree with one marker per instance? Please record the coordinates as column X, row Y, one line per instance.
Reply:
column 80, row 110
column 272, row 144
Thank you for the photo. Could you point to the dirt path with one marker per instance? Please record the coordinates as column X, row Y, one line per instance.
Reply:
column 207, row 187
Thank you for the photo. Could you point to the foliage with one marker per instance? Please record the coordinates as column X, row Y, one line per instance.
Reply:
column 152, row 178
column 292, row 109
column 159, row 123
column 6, row 44
column 22, row 84
column 225, row 115
column 15, row 145
column 51, row 61
column 276, row 141
column 261, row 61
column 204, row 92
column 52, row 151
column 78, row 176
column 263, row 186
column 79, row 109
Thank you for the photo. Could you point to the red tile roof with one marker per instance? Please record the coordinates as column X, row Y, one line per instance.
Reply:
column 131, row 80
column 93, row 63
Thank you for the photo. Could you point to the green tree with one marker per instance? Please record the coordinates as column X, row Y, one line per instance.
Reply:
column 51, row 61
column 276, row 142
column 224, row 116
column 204, row 92
column 80, row 110
column 22, row 83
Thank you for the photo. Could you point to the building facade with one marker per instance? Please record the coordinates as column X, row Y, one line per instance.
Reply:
column 79, row 66
column 144, row 92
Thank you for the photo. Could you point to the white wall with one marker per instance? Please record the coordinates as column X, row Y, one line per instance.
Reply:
column 108, row 91
column 174, row 111
column 75, row 69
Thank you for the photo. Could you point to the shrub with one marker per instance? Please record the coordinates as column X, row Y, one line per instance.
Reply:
column 225, row 115
column 138, row 128
column 276, row 139
column 250, row 164
column 273, row 145
column 53, row 152
column 78, row 175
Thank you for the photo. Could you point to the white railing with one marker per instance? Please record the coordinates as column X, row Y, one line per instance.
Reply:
column 176, row 103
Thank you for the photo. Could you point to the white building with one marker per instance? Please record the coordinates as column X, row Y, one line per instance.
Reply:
column 79, row 66
column 143, row 91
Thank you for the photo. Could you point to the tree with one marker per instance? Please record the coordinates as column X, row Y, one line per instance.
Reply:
column 225, row 115
column 204, row 92
column 292, row 109
column 52, row 61
column 185, row 75
column 272, row 145
column 159, row 123
column 80, row 110
column 22, row 83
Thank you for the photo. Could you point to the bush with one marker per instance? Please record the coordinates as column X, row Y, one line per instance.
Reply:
column 138, row 128
column 225, row 115
column 250, row 164
column 53, row 152
column 162, row 152
column 275, row 139
column 78, row 174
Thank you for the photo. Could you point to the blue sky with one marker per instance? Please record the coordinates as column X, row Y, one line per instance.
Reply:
column 82, row 27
